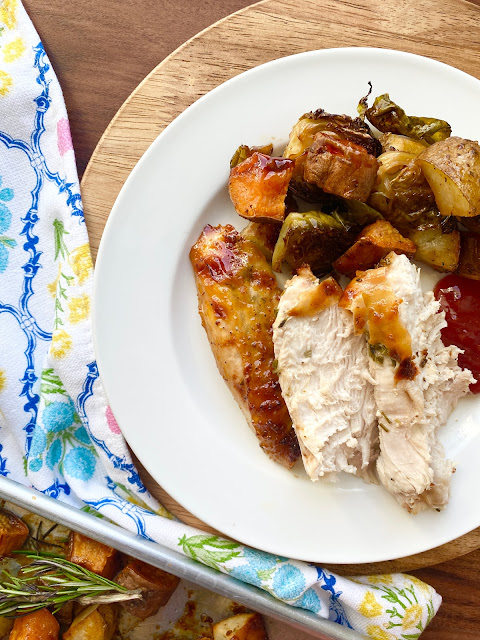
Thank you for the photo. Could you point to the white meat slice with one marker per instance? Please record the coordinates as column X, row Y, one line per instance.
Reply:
column 323, row 373
column 411, row 464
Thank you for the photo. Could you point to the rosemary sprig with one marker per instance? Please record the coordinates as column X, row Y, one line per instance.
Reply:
column 50, row 581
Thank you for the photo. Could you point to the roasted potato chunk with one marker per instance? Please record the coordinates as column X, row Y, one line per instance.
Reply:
column 439, row 250
column 96, row 622
column 374, row 243
column 340, row 167
column 92, row 555
column 396, row 142
column 452, row 169
column 157, row 587
column 39, row 625
column 312, row 238
column 13, row 532
column 258, row 187
column 244, row 626
column 469, row 263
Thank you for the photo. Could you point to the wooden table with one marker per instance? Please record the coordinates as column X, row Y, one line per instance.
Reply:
column 101, row 51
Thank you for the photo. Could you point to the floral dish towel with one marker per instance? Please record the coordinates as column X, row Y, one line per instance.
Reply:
column 57, row 433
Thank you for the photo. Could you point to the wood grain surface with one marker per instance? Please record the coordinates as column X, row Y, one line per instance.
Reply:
column 447, row 31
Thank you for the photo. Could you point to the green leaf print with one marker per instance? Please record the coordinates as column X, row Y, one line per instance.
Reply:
column 59, row 232
column 51, row 383
column 88, row 509
column 267, row 574
column 210, row 550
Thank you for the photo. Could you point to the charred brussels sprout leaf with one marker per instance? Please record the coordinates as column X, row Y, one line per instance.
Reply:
column 243, row 152
column 354, row 215
column 264, row 235
column 312, row 238
column 388, row 117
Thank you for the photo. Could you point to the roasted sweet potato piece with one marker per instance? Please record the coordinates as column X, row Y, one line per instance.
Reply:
column 340, row 167
column 244, row 626
column 258, row 187
column 96, row 622
column 157, row 587
column 92, row 555
column 39, row 625
column 374, row 243
column 13, row 532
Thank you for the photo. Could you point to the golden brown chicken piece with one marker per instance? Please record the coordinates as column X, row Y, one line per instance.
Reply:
column 238, row 296
column 258, row 187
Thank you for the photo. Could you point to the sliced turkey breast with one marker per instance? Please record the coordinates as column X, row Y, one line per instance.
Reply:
column 323, row 373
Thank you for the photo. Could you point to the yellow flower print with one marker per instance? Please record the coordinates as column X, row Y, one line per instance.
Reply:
column 81, row 262
column 61, row 343
column 377, row 633
column 5, row 83
column 425, row 589
column 13, row 50
column 52, row 287
column 369, row 607
column 8, row 13
column 79, row 308
column 3, row 380
column 381, row 579
column 412, row 616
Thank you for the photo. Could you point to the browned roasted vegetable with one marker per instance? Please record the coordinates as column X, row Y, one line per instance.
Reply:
column 39, row 625
column 340, row 166
column 469, row 264
column 243, row 152
column 157, row 587
column 472, row 224
column 93, row 555
column 387, row 116
column 258, row 187
column 96, row 622
column 374, row 243
column 452, row 169
column 396, row 142
column 13, row 532
column 312, row 238
column 244, row 626
column 6, row 625
column 439, row 250
column 264, row 235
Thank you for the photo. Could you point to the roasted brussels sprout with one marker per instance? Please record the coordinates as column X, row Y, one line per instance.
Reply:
column 469, row 264
column 313, row 238
column 439, row 250
column 264, row 235
column 258, row 186
column 388, row 117
column 452, row 169
column 243, row 152
column 353, row 215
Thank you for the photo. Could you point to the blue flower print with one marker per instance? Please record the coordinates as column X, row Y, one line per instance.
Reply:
column 5, row 220
column 259, row 560
column 82, row 435
column 309, row 601
column 80, row 463
column 35, row 465
column 246, row 573
column 288, row 582
column 39, row 443
column 54, row 454
column 58, row 416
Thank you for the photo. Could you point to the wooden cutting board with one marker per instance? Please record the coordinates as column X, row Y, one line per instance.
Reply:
column 447, row 31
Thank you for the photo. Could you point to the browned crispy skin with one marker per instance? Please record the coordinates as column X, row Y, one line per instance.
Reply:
column 238, row 295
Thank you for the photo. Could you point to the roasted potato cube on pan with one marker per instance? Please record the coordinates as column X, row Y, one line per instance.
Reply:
column 374, row 243
column 258, row 186
column 96, row 622
column 13, row 532
column 452, row 169
column 157, row 587
column 244, row 626
column 92, row 555
column 39, row 625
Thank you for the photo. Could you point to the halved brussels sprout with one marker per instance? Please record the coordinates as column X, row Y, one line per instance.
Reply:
column 313, row 238
column 243, row 152
column 388, row 117
column 264, row 235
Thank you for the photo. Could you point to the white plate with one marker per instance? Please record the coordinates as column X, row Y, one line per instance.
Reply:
column 159, row 373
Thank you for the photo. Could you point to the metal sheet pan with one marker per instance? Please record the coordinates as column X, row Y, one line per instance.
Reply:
column 171, row 561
